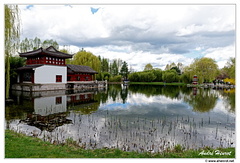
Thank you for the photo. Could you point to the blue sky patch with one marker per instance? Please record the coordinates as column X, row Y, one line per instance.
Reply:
column 29, row 6
column 94, row 10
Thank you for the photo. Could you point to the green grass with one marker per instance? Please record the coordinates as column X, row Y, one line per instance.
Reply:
column 21, row 146
column 156, row 83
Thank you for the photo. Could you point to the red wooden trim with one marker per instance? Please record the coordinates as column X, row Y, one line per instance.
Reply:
column 81, row 77
column 46, row 60
column 33, row 76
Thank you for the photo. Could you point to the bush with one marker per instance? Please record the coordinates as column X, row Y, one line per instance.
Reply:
column 134, row 77
column 117, row 78
column 158, row 74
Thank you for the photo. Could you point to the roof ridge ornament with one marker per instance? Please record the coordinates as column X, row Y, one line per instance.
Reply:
column 52, row 49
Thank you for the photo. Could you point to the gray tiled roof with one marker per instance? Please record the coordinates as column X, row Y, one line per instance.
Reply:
column 79, row 69
column 29, row 67
column 50, row 51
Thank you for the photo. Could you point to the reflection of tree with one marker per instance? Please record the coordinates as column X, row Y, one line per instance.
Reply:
column 49, row 122
column 146, row 89
column 124, row 94
column 87, row 108
column 17, row 111
column 172, row 92
column 113, row 91
column 204, row 101
column 101, row 97
column 168, row 91
column 229, row 96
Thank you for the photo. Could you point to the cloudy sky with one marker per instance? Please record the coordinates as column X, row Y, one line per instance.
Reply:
column 138, row 34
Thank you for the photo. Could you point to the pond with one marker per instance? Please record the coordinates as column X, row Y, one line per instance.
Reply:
column 131, row 118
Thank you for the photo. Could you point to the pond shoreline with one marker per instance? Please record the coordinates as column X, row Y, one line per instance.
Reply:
column 21, row 146
column 157, row 83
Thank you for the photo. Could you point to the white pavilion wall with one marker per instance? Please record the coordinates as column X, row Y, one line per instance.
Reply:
column 46, row 74
column 48, row 105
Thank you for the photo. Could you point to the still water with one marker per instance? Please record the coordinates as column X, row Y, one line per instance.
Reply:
column 131, row 118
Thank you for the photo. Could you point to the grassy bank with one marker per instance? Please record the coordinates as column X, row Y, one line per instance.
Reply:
column 156, row 83
column 20, row 146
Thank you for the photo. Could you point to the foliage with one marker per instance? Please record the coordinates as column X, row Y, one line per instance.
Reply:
column 104, row 64
column 114, row 68
column 117, row 78
column 15, row 62
column 178, row 148
column 185, row 78
column 147, row 76
column 33, row 44
column 124, row 70
column 155, row 75
column 158, row 74
column 87, row 59
column 148, row 67
column 12, row 35
column 176, row 69
column 179, row 66
column 229, row 69
column 134, row 77
column 106, row 75
column 231, row 81
column 170, row 76
column 205, row 68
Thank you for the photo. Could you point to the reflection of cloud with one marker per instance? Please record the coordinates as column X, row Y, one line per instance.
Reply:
column 115, row 106
column 139, row 100
column 223, row 107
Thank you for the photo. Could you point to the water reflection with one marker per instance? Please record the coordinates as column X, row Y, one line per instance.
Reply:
column 203, row 100
column 131, row 118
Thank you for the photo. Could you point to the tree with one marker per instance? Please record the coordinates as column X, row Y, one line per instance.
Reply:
column 176, row 69
column 114, row 68
column 124, row 70
column 33, row 44
column 47, row 43
column 230, row 68
column 180, row 66
column 134, row 77
column 87, row 59
column 167, row 67
column 205, row 68
column 158, row 74
column 148, row 67
column 12, row 34
column 15, row 62
column 170, row 76
column 104, row 64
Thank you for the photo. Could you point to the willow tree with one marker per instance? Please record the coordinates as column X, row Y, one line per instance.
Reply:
column 87, row 59
column 12, row 35
column 205, row 68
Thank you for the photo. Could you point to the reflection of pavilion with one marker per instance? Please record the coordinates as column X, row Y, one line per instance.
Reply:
column 80, row 98
column 51, row 112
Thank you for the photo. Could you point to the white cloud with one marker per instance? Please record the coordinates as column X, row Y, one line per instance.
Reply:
column 221, row 54
column 138, row 34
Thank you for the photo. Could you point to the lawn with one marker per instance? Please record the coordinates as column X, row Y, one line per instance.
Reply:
column 21, row 146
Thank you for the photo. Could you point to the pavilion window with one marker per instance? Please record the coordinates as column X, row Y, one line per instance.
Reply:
column 58, row 78
column 58, row 100
column 27, row 76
